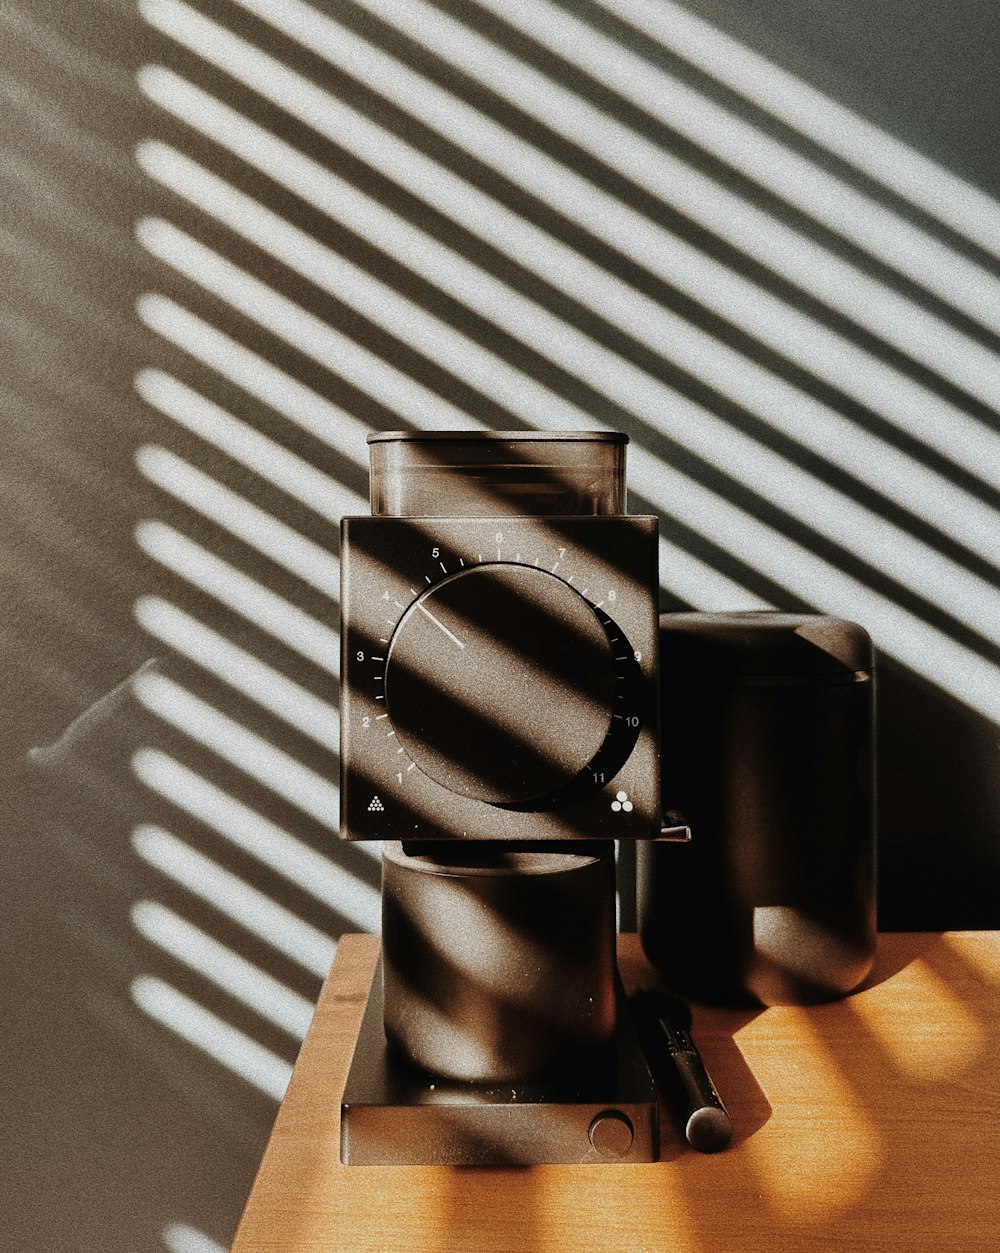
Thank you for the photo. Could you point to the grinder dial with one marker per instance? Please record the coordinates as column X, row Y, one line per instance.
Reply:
column 501, row 683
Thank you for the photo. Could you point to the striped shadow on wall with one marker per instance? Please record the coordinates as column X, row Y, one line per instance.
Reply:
column 597, row 214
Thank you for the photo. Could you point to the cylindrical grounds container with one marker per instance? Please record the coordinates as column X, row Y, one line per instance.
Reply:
column 499, row 963
column 768, row 754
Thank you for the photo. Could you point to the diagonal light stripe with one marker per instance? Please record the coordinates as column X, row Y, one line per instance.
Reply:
column 928, row 419
column 347, row 282
column 885, row 159
column 231, row 1048
column 302, row 330
column 237, row 591
column 700, row 585
column 267, row 458
column 883, row 545
column 290, row 399
column 843, row 286
column 75, row 64
column 249, row 752
column 253, row 525
column 821, row 351
column 243, row 671
column 226, row 892
column 301, row 90
column 182, row 1238
column 250, row 985
column 795, row 413
column 323, row 879
column 928, row 652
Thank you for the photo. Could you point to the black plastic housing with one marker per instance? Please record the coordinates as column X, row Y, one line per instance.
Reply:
column 768, row 753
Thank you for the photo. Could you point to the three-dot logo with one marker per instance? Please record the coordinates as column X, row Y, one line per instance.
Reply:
column 621, row 803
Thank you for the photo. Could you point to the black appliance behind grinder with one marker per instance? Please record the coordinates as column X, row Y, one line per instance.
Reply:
column 768, row 754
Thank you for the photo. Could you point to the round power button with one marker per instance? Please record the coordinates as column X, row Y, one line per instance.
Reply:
column 611, row 1133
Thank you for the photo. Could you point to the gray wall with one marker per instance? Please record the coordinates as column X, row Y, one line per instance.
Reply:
column 765, row 244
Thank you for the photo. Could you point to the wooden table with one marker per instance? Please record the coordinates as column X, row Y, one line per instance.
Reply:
column 869, row 1124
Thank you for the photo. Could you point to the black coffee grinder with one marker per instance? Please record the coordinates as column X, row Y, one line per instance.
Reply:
column 499, row 731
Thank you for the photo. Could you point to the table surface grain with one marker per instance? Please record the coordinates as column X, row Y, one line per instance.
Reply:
column 872, row 1124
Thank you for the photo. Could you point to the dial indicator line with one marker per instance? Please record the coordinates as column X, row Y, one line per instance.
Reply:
column 411, row 766
column 440, row 625
column 379, row 717
column 443, row 566
column 427, row 578
column 555, row 567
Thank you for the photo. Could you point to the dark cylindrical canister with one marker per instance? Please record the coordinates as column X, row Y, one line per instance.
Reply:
column 768, row 755
column 499, row 963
